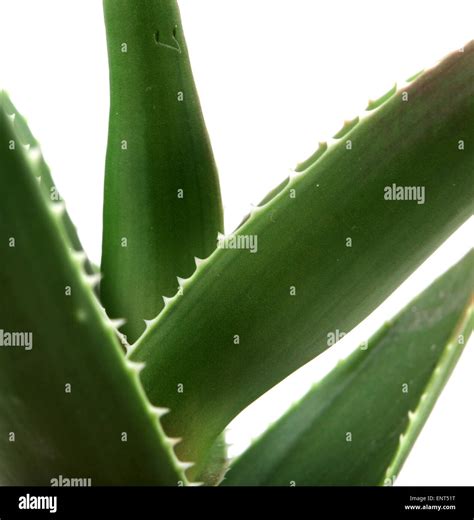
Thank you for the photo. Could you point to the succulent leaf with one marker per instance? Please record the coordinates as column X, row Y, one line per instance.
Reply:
column 43, row 174
column 328, row 248
column 357, row 426
column 71, row 405
column 162, row 200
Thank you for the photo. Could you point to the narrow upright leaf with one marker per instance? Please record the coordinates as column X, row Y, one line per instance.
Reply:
column 162, row 200
column 357, row 426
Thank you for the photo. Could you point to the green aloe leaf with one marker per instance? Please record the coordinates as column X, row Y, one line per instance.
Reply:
column 327, row 249
column 43, row 174
column 357, row 426
column 215, row 466
column 70, row 403
column 162, row 200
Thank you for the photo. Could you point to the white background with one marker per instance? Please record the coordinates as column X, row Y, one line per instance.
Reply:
column 275, row 77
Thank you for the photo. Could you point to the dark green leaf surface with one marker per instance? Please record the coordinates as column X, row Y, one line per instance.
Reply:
column 162, row 200
column 247, row 320
column 357, row 426
column 43, row 174
column 70, row 404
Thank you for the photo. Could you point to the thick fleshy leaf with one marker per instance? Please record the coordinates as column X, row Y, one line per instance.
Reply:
column 43, row 174
column 162, row 200
column 70, row 404
column 357, row 426
column 318, row 257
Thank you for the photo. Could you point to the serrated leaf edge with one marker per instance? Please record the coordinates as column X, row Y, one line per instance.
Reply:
column 76, row 258
column 417, row 417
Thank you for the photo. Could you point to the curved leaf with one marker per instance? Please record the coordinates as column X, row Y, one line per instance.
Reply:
column 327, row 249
column 357, row 426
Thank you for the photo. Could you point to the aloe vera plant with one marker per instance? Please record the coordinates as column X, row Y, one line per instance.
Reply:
column 209, row 321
